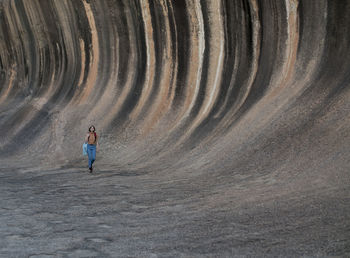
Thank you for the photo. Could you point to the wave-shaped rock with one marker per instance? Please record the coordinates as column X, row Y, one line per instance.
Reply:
column 219, row 92
column 193, row 73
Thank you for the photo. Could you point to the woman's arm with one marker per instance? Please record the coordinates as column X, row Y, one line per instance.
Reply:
column 86, row 138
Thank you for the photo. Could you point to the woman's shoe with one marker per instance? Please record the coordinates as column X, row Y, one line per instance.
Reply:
column 90, row 170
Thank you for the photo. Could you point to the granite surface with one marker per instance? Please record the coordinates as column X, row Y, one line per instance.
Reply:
column 224, row 128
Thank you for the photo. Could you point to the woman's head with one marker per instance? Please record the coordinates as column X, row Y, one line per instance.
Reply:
column 92, row 128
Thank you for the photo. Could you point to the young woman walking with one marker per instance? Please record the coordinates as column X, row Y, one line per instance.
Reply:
column 91, row 140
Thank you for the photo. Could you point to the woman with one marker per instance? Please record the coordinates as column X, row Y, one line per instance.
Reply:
column 91, row 140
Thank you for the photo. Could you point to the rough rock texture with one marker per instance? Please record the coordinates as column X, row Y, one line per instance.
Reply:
column 224, row 124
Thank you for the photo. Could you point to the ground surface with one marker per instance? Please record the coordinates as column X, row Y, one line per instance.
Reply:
column 72, row 213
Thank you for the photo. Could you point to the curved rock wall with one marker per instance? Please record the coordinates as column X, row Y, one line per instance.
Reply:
column 224, row 128
column 192, row 83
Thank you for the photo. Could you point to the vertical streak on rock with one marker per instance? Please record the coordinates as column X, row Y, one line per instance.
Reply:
column 94, row 57
column 9, row 56
column 33, row 59
column 44, row 73
column 309, row 55
column 194, row 72
column 20, row 48
column 174, row 58
column 38, row 25
column 149, row 77
column 67, row 61
column 115, row 90
column 7, row 68
column 196, row 57
column 246, row 84
column 199, row 39
column 108, row 84
column 162, row 102
column 291, row 47
column 4, row 92
column 82, row 54
column 127, row 87
column 26, row 56
column 233, row 53
column 245, row 90
column 280, row 79
column 216, row 60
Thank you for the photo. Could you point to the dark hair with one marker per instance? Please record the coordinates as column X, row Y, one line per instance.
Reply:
column 93, row 127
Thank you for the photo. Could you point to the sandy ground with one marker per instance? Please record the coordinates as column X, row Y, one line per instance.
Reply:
column 116, row 213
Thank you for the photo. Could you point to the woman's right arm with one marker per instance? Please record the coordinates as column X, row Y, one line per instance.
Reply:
column 86, row 138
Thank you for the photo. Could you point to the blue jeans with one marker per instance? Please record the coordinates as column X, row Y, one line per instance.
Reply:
column 91, row 150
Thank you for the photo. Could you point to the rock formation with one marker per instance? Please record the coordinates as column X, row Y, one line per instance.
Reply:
column 246, row 101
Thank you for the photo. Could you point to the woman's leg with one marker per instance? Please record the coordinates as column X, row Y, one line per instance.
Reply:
column 93, row 156
column 90, row 155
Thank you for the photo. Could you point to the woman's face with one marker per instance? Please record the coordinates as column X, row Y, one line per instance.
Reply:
column 92, row 129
